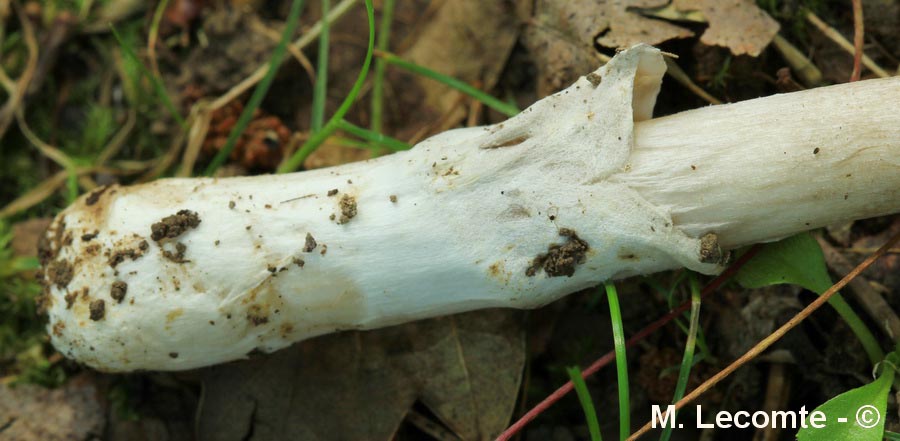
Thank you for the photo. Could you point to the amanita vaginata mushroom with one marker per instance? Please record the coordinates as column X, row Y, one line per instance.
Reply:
column 579, row 188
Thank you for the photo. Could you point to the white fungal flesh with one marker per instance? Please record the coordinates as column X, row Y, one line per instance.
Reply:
column 465, row 220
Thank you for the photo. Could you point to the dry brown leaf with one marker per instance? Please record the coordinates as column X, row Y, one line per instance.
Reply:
column 611, row 23
column 467, row 39
column 72, row 412
column 737, row 24
column 360, row 385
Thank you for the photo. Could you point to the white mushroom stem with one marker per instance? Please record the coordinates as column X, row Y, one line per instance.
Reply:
column 182, row 273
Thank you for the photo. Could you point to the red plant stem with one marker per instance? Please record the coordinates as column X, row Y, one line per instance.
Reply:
column 858, row 32
column 611, row 355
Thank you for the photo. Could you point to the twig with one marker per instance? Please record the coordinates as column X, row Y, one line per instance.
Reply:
column 809, row 74
column 55, row 154
column 846, row 45
column 298, row 54
column 299, row 44
column 874, row 304
column 152, row 35
column 858, row 33
column 778, row 391
column 760, row 347
column 7, row 113
column 201, row 116
column 35, row 195
column 675, row 71
column 118, row 140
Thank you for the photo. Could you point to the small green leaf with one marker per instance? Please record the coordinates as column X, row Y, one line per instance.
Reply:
column 799, row 260
column 863, row 408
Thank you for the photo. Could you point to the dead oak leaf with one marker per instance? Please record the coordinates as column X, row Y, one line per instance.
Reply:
column 360, row 385
column 737, row 24
column 611, row 23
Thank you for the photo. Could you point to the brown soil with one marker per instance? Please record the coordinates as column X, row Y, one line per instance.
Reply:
column 560, row 259
column 175, row 225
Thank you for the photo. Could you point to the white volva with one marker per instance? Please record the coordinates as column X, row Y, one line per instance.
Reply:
column 581, row 187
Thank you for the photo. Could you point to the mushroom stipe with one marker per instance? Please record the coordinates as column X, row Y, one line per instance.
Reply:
column 581, row 187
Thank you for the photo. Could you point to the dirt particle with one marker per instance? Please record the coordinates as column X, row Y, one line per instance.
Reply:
column 816, row 151
column 173, row 355
column 58, row 328
column 268, row 206
column 178, row 255
column 299, row 262
column 272, row 269
column 332, row 217
column 216, row 243
column 332, row 192
column 119, row 256
column 98, row 309
column 118, row 291
column 693, row 167
column 70, row 299
column 560, row 259
column 87, row 237
column 60, row 273
column 594, row 78
column 231, row 205
column 393, row 198
column 95, row 196
column 348, row 208
column 627, row 255
column 310, row 244
column 324, row 249
column 710, row 252
column 175, row 225
column 256, row 316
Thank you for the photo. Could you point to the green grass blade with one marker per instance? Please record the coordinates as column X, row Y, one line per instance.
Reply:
column 158, row 85
column 384, row 37
column 333, row 123
column 615, row 314
column 157, row 17
column 687, row 361
column 353, row 143
column 373, row 137
column 260, row 91
column 71, row 185
column 891, row 436
column 587, row 404
column 321, row 87
column 488, row 100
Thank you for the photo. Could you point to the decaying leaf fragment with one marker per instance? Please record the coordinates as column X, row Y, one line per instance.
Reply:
column 465, row 368
column 736, row 24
